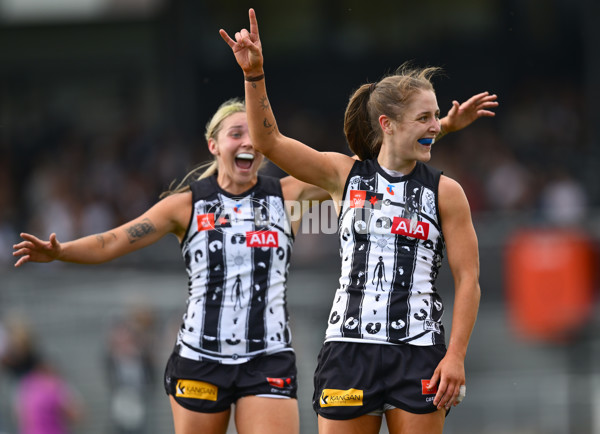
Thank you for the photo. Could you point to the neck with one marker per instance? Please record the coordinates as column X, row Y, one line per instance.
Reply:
column 235, row 187
column 393, row 162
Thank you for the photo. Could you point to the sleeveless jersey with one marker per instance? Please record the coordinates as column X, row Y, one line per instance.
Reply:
column 236, row 252
column 391, row 251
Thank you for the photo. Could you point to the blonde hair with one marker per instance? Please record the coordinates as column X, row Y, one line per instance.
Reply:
column 389, row 97
column 213, row 127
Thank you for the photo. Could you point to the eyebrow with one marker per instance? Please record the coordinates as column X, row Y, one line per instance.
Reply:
column 428, row 112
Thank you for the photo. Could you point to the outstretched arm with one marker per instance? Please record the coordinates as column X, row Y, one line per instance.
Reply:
column 464, row 114
column 169, row 215
column 326, row 170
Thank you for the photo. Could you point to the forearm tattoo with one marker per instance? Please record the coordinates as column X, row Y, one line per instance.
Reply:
column 100, row 239
column 139, row 230
column 264, row 103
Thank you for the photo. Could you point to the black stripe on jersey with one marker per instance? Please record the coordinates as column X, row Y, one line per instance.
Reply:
column 215, row 290
column 405, row 250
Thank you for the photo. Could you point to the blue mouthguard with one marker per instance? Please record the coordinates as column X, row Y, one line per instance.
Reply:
column 425, row 141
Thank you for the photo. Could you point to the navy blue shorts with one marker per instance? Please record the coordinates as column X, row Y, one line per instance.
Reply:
column 210, row 387
column 354, row 379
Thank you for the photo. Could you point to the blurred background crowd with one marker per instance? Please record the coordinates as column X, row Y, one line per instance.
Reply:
column 103, row 104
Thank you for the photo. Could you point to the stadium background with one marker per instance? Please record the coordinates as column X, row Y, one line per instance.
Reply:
column 103, row 103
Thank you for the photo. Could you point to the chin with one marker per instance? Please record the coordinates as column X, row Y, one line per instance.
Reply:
column 246, row 176
column 424, row 158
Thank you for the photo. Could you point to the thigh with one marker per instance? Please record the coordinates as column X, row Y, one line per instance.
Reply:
column 260, row 415
column 348, row 382
column 366, row 424
column 187, row 421
column 408, row 370
column 402, row 422
column 201, row 386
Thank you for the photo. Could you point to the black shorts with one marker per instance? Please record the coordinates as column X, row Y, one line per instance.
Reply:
column 354, row 379
column 210, row 387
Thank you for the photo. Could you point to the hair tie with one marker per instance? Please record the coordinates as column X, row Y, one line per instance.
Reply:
column 372, row 88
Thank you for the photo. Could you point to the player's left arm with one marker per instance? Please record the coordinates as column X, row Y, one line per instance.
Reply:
column 464, row 114
column 463, row 259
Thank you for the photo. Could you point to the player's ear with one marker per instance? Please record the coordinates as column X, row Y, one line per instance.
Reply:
column 213, row 147
column 386, row 124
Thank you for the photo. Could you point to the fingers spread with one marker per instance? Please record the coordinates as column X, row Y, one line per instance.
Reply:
column 226, row 38
column 253, row 22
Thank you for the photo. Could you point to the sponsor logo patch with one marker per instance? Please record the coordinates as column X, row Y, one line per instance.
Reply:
column 205, row 222
column 196, row 390
column 341, row 398
column 279, row 382
column 357, row 198
column 408, row 228
column 431, row 326
column 425, row 390
column 262, row 239
column 365, row 199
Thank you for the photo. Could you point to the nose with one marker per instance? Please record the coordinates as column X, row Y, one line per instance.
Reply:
column 246, row 142
column 436, row 125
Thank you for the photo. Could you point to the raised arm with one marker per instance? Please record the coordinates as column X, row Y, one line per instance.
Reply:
column 326, row 170
column 463, row 259
column 464, row 114
column 170, row 215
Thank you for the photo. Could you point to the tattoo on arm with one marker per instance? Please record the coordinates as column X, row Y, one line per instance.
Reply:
column 139, row 230
column 100, row 238
column 264, row 103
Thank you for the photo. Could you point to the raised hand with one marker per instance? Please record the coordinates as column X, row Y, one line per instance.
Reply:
column 462, row 115
column 246, row 47
column 35, row 250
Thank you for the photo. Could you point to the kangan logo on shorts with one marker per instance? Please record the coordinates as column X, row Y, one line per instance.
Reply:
column 341, row 398
column 196, row 390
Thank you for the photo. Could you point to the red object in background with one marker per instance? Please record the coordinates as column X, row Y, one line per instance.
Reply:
column 550, row 282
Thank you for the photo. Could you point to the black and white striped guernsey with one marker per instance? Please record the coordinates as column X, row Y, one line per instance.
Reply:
column 237, row 251
column 391, row 251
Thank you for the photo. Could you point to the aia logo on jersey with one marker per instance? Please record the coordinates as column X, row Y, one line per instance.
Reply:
column 262, row 239
column 365, row 199
column 410, row 228
column 425, row 390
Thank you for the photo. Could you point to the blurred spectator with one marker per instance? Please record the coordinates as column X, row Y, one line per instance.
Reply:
column 43, row 401
column 130, row 368
column 508, row 186
column 563, row 200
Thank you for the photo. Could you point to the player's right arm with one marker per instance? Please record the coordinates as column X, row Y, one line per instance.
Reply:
column 170, row 215
column 327, row 170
